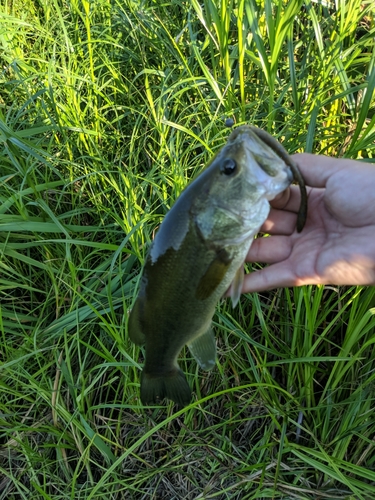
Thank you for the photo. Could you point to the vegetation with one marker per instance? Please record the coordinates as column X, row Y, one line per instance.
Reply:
column 107, row 109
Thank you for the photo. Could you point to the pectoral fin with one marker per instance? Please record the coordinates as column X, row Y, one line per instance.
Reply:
column 203, row 348
column 214, row 275
column 236, row 287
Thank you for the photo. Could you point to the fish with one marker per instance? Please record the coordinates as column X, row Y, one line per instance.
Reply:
column 198, row 254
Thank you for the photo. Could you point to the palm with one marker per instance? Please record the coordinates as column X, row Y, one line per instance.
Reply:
column 337, row 244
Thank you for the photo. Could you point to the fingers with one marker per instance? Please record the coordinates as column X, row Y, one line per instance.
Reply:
column 317, row 169
column 359, row 271
column 290, row 200
column 274, row 250
column 270, row 249
column 276, row 276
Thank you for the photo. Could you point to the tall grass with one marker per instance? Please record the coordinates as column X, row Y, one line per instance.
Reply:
column 107, row 109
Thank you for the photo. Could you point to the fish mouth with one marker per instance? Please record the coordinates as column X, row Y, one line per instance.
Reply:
column 264, row 154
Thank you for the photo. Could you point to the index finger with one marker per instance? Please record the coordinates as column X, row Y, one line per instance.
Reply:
column 289, row 200
column 317, row 169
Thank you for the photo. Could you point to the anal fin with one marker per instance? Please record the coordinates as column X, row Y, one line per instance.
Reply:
column 236, row 287
column 203, row 348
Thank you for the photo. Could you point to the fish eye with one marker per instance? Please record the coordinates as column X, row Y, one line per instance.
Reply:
column 228, row 166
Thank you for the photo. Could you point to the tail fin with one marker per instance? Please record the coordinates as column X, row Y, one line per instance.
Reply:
column 173, row 386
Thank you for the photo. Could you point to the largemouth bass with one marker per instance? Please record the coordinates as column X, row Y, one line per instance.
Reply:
column 198, row 253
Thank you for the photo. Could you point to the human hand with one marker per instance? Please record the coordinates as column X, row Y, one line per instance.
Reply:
column 337, row 244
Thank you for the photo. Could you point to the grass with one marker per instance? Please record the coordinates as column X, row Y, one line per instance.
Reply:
column 107, row 109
